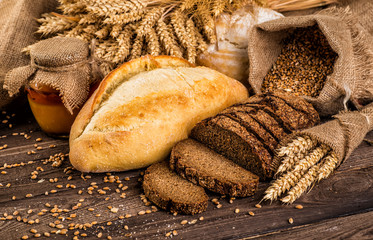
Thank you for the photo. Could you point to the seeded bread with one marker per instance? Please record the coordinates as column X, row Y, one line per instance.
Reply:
column 248, row 133
column 201, row 165
column 171, row 192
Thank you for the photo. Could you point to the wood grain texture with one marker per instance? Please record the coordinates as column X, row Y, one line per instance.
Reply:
column 337, row 208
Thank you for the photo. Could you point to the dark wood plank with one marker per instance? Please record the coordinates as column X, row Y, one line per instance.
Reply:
column 348, row 192
column 359, row 226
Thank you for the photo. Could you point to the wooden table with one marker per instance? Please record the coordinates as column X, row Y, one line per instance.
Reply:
column 338, row 208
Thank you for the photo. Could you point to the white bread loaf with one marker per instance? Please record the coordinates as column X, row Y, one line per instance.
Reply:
column 143, row 108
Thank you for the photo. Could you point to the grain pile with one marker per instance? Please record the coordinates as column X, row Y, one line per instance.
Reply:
column 303, row 65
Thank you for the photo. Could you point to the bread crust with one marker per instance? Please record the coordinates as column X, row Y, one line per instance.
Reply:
column 134, row 121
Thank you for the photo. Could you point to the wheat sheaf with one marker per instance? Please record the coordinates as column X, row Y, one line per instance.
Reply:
column 127, row 29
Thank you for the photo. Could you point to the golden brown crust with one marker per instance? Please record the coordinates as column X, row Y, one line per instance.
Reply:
column 139, row 121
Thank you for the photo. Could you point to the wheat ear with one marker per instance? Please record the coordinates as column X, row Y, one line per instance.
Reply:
column 137, row 47
column 167, row 39
column 315, row 156
column 281, row 185
column 293, row 152
column 149, row 20
column 152, row 40
column 124, row 44
column 304, row 183
column 191, row 49
column 329, row 163
column 72, row 8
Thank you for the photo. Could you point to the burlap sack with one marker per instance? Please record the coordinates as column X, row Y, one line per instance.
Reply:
column 352, row 78
column 63, row 63
column 17, row 27
column 343, row 134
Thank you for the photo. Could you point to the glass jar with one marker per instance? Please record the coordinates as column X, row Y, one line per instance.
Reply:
column 49, row 110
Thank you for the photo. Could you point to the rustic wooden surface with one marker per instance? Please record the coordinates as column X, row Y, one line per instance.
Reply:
column 338, row 208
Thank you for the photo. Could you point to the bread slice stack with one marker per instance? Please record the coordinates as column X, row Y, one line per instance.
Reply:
column 234, row 148
column 248, row 133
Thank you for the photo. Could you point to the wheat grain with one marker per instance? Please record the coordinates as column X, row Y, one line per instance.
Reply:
column 104, row 8
column 206, row 24
column 304, row 183
column 103, row 32
column 76, row 31
column 167, row 39
column 328, row 164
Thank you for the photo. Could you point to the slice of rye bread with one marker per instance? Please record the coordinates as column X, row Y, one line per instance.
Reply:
column 171, row 192
column 232, row 140
column 203, row 166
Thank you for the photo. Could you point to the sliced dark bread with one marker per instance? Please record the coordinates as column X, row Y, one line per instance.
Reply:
column 171, row 192
column 248, row 132
column 270, row 124
column 255, row 128
column 201, row 165
column 233, row 141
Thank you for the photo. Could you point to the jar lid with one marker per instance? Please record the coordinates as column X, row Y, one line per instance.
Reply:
column 59, row 51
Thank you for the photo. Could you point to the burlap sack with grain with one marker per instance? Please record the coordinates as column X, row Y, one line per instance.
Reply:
column 17, row 27
column 352, row 77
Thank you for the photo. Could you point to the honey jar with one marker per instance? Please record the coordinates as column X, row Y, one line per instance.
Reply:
column 49, row 111
column 61, row 76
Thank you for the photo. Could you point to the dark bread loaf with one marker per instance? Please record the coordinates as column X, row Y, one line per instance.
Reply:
column 171, row 192
column 247, row 133
column 201, row 165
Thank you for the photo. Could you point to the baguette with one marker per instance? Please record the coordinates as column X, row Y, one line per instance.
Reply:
column 143, row 108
